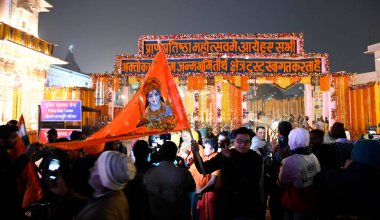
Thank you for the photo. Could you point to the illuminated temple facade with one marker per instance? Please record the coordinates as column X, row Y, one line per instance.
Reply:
column 24, row 60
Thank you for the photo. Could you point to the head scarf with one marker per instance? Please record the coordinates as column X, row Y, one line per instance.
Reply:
column 298, row 137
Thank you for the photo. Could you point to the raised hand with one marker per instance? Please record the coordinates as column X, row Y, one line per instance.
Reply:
column 32, row 148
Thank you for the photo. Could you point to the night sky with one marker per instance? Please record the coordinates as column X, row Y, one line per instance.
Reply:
column 101, row 29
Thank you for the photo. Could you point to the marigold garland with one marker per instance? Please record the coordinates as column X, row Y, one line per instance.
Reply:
column 70, row 89
column 361, row 86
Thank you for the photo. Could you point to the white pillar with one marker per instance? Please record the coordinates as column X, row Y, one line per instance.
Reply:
column 326, row 105
column 4, row 11
column 308, row 99
column 244, row 108
column 332, row 105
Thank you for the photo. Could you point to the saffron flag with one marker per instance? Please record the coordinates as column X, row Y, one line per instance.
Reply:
column 30, row 185
column 156, row 108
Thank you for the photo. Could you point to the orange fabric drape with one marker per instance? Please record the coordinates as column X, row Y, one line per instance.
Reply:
column 195, row 83
column 364, row 108
column 346, row 101
column 324, row 83
column 368, row 106
column 233, row 104
column 357, row 109
column 244, row 83
column 117, row 83
column 190, row 82
column 226, row 104
column 372, row 98
column 353, row 109
column 236, row 105
column 362, row 113
column 377, row 101
column 341, row 85
column 230, row 79
column 29, row 186
column 200, row 83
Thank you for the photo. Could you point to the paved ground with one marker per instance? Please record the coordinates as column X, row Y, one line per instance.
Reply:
column 264, row 121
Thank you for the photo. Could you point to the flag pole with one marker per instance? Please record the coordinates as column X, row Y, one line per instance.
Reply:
column 39, row 123
column 198, row 156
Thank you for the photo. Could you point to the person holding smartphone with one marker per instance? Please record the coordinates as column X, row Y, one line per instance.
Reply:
column 10, row 170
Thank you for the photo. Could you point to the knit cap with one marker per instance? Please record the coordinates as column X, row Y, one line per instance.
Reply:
column 115, row 169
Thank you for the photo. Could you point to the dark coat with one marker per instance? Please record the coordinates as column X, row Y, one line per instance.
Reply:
column 352, row 191
column 110, row 206
column 240, row 178
column 167, row 188
column 342, row 152
column 10, row 200
column 326, row 156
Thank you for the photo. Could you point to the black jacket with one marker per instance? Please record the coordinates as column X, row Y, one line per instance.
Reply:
column 240, row 177
column 352, row 191
column 10, row 201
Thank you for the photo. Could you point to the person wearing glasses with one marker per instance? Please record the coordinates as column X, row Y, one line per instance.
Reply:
column 241, row 169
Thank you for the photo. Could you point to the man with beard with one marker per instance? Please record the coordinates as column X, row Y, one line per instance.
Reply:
column 10, row 170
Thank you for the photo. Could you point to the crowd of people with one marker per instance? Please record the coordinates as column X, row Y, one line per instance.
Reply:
column 238, row 174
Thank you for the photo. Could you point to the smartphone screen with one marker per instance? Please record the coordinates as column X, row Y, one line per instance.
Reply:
column 54, row 165
column 51, row 177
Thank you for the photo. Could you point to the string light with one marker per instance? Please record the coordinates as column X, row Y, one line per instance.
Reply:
column 361, row 86
column 216, row 36
column 69, row 89
column 148, row 58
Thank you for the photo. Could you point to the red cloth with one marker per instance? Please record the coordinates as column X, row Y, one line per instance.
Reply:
column 29, row 184
column 300, row 199
column 206, row 206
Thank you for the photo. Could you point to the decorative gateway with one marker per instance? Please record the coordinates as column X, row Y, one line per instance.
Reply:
column 217, row 69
